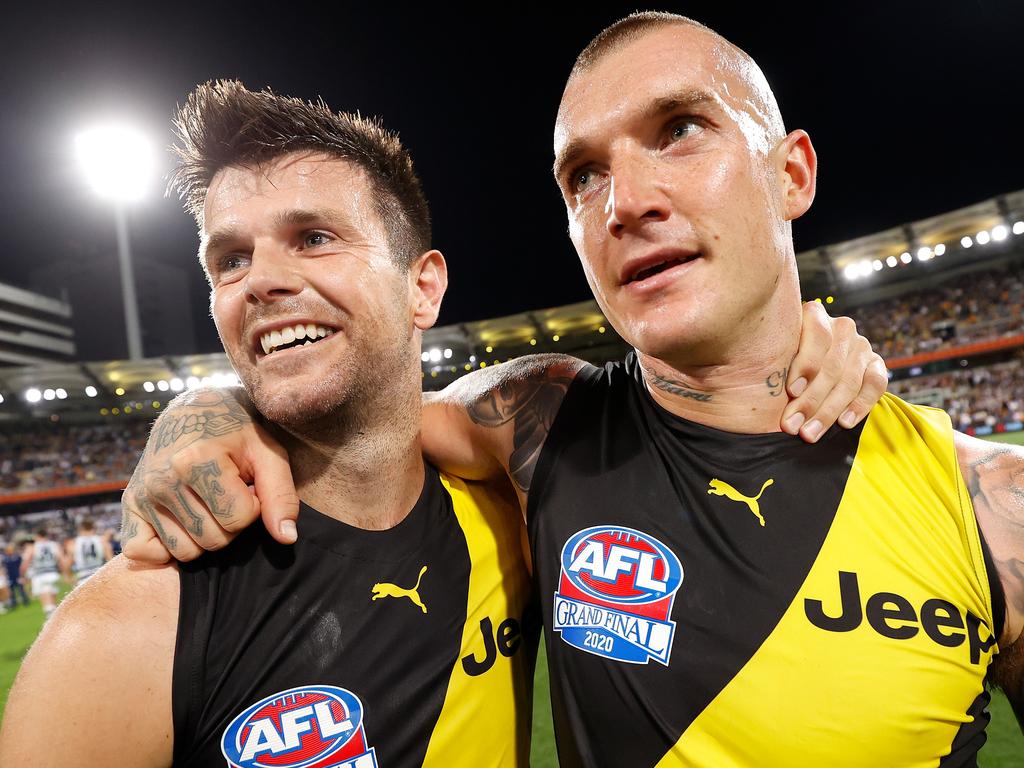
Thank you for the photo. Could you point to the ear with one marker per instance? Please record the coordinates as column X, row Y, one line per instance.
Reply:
column 799, row 174
column 428, row 280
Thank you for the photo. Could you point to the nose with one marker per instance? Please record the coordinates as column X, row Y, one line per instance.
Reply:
column 271, row 277
column 635, row 198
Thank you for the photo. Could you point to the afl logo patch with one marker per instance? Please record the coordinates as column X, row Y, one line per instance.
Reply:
column 312, row 726
column 615, row 594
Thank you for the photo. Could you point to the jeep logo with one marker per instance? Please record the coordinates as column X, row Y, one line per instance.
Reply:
column 892, row 616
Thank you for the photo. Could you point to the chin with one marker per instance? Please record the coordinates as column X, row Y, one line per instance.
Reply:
column 299, row 409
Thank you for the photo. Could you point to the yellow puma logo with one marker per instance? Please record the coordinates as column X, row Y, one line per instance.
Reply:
column 721, row 488
column 384, row 589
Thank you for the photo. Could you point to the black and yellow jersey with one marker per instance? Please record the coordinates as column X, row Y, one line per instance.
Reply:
column 355, row 648
column 725, row 600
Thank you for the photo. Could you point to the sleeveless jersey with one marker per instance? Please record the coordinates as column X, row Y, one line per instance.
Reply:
column 45, row 558
column 725, row 600
column 89, row 556
column 356, row 648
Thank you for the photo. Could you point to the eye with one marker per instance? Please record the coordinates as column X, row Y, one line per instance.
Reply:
column 684, row 128
column 582, row 180
column 229, row 262
column 313, row 239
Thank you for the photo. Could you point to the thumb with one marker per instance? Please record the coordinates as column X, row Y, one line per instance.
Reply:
column 276, row 497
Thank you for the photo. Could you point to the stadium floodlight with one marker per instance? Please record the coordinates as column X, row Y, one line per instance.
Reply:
column 148, row 386
column 877, row 265
column 892, row 261
column 864, row 268
column 435, row 355
column 91, row 391
column 177, row 385
column 983, row 237
column 447, row 354
column 62, row 394
column 905, row 257
column 49, row 394
column 425, row 357
column 1, row 399
column 119, row 164
column 966, row 242
column 940, row 249
column 118, row 161
column 162, row 385
column 1018, row 227
column 924, row 253
column 851, row 272
column 33, row 395
column 999, row 233
column 193, row 381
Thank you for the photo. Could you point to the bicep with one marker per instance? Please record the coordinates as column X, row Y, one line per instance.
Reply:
column 95, row 689
column 497, row 419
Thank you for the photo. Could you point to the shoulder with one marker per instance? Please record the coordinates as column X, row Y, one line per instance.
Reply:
column 512, row 381
column 102, row 667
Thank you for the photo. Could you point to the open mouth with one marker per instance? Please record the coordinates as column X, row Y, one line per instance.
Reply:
column 654, row 269
column 298, row 335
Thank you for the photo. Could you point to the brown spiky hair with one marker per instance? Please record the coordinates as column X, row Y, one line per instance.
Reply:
column 224, row 124
column 626, row 30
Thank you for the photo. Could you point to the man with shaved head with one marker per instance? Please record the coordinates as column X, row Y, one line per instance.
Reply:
column 716, row 592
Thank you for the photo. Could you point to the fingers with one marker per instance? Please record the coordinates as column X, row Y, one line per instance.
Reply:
column 816, row 337
column 212, row 489
column 275, row 489
column 850, row 380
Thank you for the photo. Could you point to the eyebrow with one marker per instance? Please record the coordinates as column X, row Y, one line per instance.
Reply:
column 290, row 218
column 662, row 105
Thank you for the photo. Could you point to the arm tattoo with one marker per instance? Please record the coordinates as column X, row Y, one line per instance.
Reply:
column 203, row 478
column 531, row 404
column 776, row 382
column 678, row 388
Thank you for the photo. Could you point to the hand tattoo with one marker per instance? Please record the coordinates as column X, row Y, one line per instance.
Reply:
column 203, row 478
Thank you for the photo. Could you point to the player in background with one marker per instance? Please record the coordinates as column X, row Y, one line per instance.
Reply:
column 12, row 560
column 88, row 551
column 43, row 564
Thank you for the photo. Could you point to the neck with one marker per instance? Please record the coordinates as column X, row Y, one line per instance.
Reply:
column 743, row 392
column 365, row 470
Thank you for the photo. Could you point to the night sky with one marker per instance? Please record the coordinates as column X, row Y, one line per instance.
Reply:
column 914, row 109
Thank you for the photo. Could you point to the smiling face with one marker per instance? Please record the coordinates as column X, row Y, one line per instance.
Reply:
column 312, row 310
column 671, row 158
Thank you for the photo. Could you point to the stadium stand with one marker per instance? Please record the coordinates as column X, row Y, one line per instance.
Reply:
column 941, row 298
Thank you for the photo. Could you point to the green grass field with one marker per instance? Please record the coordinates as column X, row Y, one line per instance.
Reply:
column 1004, row 748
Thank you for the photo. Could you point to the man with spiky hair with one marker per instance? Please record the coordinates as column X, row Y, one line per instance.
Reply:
column 402, row 615
column 715, row 592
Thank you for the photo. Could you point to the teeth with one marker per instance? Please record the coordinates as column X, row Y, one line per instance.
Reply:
column 310, row 332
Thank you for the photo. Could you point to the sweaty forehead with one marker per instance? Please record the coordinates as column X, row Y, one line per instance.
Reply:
column 298, row 180
column 664, row 61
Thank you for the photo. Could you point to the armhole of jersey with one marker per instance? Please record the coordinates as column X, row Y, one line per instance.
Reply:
column 995, row 588
column 186, row 678
column 586, row 376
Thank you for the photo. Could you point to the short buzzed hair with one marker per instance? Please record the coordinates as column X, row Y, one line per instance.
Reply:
column 224, row 124
column 634, row 26
column 625, row 31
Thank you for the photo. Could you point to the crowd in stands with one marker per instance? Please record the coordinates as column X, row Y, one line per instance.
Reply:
column 979, row 306
column 974, row 397
column 39, row 456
